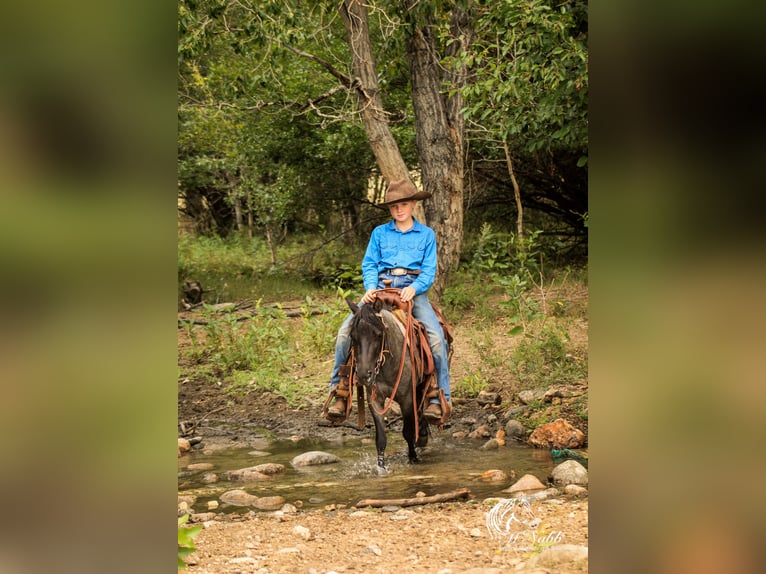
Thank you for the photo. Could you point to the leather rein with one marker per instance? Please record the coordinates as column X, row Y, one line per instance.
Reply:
column 408, row 338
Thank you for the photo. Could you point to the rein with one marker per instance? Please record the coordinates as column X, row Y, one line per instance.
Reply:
column 408, row 338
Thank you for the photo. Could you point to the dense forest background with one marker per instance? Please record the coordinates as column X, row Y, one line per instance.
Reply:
column 283, row 107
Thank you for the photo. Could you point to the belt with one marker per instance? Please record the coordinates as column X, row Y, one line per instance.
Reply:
column 402, row 271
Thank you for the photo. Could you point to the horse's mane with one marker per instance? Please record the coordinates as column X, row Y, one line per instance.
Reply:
column 367, row 316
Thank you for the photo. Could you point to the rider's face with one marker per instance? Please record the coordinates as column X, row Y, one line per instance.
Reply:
column 402, row 211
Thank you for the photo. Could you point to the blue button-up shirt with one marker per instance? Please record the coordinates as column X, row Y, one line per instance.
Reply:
column 389, row 248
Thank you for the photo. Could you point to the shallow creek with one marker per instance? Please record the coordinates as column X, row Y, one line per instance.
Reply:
column 445, row 464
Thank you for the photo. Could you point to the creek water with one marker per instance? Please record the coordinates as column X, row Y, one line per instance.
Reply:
column 445, row 464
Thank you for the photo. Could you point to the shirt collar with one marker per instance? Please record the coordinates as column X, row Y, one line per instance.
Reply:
column 417, row 226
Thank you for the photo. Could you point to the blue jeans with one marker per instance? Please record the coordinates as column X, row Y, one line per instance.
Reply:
column 423, row 312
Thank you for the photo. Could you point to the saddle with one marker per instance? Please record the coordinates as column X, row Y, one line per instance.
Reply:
column 424, row 360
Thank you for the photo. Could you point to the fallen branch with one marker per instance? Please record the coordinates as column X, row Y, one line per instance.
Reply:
column 445, row 497
column 246, row 316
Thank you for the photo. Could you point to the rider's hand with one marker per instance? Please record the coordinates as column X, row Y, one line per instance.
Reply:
column 369, row 297
column 407, row 294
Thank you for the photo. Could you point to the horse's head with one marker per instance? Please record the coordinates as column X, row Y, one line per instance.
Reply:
column 367, row 338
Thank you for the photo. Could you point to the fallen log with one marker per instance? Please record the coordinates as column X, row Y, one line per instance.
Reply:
column 445, row 497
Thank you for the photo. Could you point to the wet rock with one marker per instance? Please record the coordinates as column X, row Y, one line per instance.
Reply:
column 575, row 490
column 569, row 472
column 212, row 504
column 200, row 466
column 238, row 498
column 561, row 393
column 241, row 498
column 259, row 453
column 488, row 398
column 558, row 434
column 189, row 499
column 459, row 434
column 183, row 446
column 209, row 478
column 480, row 432
column 269, row 503
column 259, row 472
column 494, row 475
column 314, row 457
column 491, row 444
column 515, row 430
column 270, row 468
column 246, row 475
column 528, row 482
column 527, row 397
column 555, row 556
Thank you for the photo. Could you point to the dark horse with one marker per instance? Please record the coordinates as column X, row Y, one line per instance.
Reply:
column 384, row 366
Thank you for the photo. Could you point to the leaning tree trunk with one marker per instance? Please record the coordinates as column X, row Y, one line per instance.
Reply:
column 365, row 82
column 439, row 137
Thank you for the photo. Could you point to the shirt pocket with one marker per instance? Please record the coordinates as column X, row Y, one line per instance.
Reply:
column 388, row 249
column 414, row 244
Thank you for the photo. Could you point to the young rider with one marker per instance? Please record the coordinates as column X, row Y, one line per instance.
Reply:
column 403, row 251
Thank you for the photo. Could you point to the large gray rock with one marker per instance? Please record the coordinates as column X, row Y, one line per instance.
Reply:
column 314, row 457
column 515, row 430
column 569, row 472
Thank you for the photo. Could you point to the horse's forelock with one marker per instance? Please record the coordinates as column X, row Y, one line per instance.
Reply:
column 367, row 316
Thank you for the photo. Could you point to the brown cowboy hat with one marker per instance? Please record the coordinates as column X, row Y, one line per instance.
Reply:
column 403, row 190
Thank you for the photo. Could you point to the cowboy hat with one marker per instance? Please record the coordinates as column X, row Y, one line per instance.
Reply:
column 403, row 190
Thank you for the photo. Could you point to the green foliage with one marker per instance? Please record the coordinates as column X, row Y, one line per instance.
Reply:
column 530, row 74
column 545, row 359
column 469, row 386
column 261, row 343
column 320, row 324
column 186, row 535
column 457, row 298
column 501, row 252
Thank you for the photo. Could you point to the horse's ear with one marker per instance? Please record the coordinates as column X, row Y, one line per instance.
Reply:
column 377, row 305
column 353, row 306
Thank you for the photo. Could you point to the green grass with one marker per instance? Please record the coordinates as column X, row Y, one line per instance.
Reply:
column 289, row 356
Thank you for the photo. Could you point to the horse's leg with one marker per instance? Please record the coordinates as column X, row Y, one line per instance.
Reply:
column 422, row 431
column 408, row 430
column 380, row 439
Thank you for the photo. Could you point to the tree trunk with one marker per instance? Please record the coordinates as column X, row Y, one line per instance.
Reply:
column 238, row 212
column 384, row 147
column 516, row 195
column 439, row 138
column 439, row 124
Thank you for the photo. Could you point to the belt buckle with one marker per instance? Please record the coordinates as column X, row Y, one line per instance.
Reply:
column 398, row 271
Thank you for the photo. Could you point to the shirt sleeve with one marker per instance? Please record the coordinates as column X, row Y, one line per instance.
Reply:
column 428, row 268
column 370, row 261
